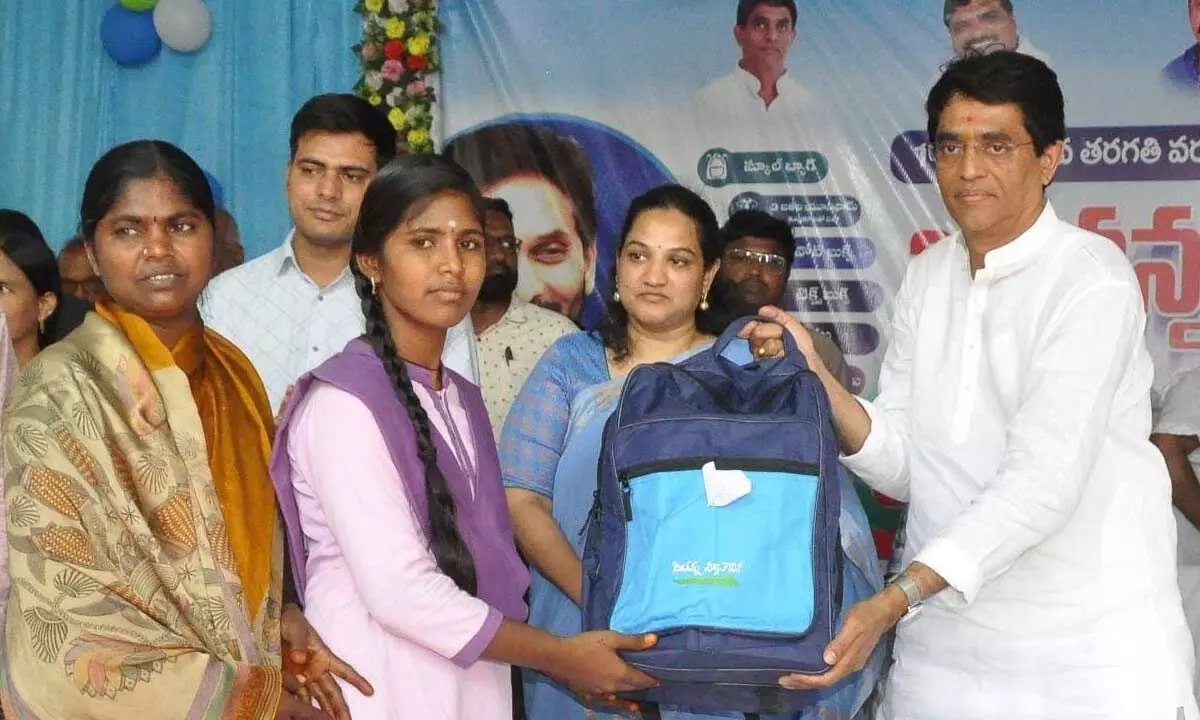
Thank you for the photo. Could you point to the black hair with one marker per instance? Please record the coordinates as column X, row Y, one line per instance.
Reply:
column 1001, row 78
column 756, row 223
column 139, row 160
column 342, row 113
column 500, row 151
column 747, row 7
column 953, row 5
column 614, row 331
column 498, row 205
column 22, row 241
column 404, row 187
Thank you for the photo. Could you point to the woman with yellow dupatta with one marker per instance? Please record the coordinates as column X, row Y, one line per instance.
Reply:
column 146, row 554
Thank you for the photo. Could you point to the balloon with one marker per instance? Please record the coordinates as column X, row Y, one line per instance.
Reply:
column 218, row 192
column 138, row 5
column 183, row 25
column 128, row 37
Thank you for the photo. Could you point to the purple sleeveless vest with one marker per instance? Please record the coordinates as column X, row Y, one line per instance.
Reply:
column 483, row 521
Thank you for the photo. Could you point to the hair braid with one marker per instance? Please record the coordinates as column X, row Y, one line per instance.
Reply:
column 447, row 545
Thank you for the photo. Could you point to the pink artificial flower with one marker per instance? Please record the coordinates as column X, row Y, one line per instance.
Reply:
column 416, row 88
column 369, row 51
column 391, row 70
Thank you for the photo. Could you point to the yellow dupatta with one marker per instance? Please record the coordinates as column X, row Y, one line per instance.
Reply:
column 238, row 427
column 146, row 554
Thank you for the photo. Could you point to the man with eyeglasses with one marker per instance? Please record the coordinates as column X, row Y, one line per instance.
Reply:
column 1013, row 416
column 79, row 280
column 978, row 27
column 511, row 334
column 758, row 250
column 760, row 86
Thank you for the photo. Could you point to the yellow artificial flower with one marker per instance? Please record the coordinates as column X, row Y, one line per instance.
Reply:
column 417, row 137
column 397, row 117
column 394, row 28
column 419, row 44
column 374, row 99
column 374, row 5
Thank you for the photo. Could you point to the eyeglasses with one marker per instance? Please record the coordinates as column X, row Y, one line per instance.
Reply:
column 951, row 151
column 738, row 257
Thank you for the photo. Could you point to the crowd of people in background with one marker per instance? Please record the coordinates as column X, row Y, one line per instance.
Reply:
column 347, row 478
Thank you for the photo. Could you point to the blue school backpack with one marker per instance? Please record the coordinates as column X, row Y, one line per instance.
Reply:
column 715, row 526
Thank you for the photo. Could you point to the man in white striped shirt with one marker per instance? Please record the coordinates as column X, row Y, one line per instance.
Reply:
column 292, row 308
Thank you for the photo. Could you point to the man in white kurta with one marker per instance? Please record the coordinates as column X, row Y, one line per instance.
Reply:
column 759, row 94
column 1013, row 415
column 1177, row 435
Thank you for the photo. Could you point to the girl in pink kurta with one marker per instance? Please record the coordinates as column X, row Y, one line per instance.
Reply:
column 373, row 585
column 389, row 482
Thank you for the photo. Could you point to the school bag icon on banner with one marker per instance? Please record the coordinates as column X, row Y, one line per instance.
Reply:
column 715, row 527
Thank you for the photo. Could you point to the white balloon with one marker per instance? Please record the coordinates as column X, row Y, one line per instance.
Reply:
column 183, row 25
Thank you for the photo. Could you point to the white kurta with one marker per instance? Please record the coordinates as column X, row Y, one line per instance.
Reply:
column 730, row 105
column 1180, row 415
column 1014, row 415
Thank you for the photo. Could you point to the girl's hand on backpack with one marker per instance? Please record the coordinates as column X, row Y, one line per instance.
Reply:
column 589, row 664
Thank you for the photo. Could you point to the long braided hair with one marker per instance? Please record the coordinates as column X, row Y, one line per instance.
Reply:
column 403, row 188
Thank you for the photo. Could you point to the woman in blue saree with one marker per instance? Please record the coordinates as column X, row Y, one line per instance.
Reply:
column 550, row 447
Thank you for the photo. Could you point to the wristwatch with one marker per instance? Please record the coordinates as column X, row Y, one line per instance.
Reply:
column 912, row 593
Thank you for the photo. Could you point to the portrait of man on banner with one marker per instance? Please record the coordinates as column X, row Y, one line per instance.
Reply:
column 759, row 87
column 1183, row 73
column 979, row 27
column 546, row 179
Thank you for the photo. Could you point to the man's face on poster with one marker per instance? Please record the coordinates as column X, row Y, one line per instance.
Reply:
column 766, row 39
column 555, row 269
column 982, row 27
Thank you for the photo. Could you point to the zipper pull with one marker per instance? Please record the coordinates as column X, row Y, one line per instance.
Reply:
column 593, row 514
column 626, row 496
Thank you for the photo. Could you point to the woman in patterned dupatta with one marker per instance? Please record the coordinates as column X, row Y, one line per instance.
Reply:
column 146, row 554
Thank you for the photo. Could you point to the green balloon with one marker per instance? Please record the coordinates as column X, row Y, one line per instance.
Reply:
column 138, row 5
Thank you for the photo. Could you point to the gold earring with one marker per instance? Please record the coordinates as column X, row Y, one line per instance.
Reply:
column 42, row 327
column 373, row 286
column 616, row 296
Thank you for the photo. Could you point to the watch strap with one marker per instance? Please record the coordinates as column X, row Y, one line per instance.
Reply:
column 912, row 592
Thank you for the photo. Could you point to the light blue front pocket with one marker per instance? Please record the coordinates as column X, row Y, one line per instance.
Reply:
column 747, row 566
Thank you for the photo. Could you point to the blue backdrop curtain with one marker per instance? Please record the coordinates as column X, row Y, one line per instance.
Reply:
column 63, row 102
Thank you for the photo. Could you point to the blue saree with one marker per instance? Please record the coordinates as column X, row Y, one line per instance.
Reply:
column 551, row 445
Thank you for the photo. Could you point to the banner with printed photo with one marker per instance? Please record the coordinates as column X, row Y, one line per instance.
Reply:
column 570, row 109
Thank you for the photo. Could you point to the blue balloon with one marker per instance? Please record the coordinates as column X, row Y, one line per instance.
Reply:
column 218, row 192
column 129, row 37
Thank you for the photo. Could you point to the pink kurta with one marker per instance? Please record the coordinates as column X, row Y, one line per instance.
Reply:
column 374, row 590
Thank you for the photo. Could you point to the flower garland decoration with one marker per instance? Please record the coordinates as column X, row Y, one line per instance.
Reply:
column 398, row 54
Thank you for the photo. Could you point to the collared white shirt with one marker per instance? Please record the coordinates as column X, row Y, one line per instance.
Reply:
column 508, row 351
column 287, row 325
column 734, row 99
column 1014, row 415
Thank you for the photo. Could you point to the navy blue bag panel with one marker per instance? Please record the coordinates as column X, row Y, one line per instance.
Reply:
column 738, row 594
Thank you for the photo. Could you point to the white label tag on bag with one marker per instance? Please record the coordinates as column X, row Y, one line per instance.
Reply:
column 723, row 487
